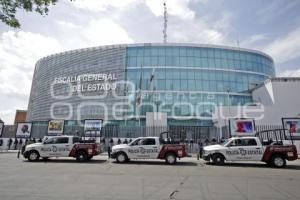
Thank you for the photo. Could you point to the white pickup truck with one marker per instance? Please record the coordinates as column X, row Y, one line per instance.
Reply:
column 250, row 149
column 148, row 148
column 62, row 146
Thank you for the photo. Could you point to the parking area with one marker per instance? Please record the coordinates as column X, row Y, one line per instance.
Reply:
column 104, row 179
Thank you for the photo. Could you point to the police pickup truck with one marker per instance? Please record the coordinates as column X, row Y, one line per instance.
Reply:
column 62, row 146
column 148, row 148
column 250, row 149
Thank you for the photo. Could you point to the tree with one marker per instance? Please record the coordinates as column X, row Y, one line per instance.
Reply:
column 9, row 8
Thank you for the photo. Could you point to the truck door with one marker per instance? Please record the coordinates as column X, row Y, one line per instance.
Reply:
column 149, row 148
column 133, row 151
column 56, row 147
column 244, row 149
column 254, row 151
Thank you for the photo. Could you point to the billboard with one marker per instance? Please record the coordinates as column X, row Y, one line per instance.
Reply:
column 55, row 127
column 92, row 127
column 241, row 127
column 1, row 128
column 24, row 130
column 292, row 125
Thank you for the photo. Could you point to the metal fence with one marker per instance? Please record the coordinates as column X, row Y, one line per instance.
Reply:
column 179, row 133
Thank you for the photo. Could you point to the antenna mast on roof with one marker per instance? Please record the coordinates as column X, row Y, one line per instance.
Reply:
column 165, row 22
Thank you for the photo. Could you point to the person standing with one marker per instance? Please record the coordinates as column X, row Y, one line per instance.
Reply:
column 119, row 141
column 200, row 149
column 9, row 143
column 111, row 143
column 15, row 144
column 20, row 143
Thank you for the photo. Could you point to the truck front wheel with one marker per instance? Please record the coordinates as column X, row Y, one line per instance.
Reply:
column 33, row 156
column 170, row 158
column 218, row 159
column 278, row 161
column 121, row 157
column 81, row 156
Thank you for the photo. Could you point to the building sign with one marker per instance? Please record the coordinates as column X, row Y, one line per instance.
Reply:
column 92, row 127
column 241, row 127
column 1, row 128
column 55, row 127
column 24, row 130
column 293, row 127
column 89, row 82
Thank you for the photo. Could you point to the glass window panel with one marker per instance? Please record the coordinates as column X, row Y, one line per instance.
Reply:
column 210, row 53
column 191, row 74
column 140, row 51
column 190, row 52
column 176, row 74
column 198, row 85
column 161, row 51
column 183, row 74
column 218, row 63
column 147, row 51
column 191, row 85
column 223, row 54
column 206, row 85
column 176, row 61
column 183, row 61
column 139, row 61
column 169, row 51
column 211, row 63
column 182, row 51
column 197, row 62
column 184, row 84
column 161, row 84
column 175, row 51
column 198, row 74
column 204, row 53
column 190, row 61
column 170, row 61
column 132, row 52
column 169, row 74
column 161, row 61
column 204, row 62
column 161, row 73
column 154, row 51
column 154, row 60
column 217, row 53
column 169, row 85
column 147, row 61
column 176, row 84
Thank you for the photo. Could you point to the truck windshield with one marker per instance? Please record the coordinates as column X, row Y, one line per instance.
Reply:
column 134, row 142
column 227, row 141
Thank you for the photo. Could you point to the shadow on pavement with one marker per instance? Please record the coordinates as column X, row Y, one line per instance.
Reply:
column 254, row 165
column 136, row 162
column 53, row 160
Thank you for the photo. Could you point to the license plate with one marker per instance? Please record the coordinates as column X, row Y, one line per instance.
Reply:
column 290, row 154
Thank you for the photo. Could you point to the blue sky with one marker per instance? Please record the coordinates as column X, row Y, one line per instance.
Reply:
column 271, row 26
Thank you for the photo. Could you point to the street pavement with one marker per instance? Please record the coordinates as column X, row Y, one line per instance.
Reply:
column 65, row 179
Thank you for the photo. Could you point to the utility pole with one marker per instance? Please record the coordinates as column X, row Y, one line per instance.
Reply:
column 165, row 22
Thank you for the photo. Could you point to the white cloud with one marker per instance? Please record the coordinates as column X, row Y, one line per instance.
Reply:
column 19, row 51
column 103, row 32
column 179, row 8
column 285, row 48
column 254, row 39
column 290, row 73
column 102, row 5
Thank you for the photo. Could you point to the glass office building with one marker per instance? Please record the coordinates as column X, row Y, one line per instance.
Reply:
column 183, row 80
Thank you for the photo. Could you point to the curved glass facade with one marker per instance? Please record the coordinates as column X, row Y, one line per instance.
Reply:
column 186, row 76
column 183, row 80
